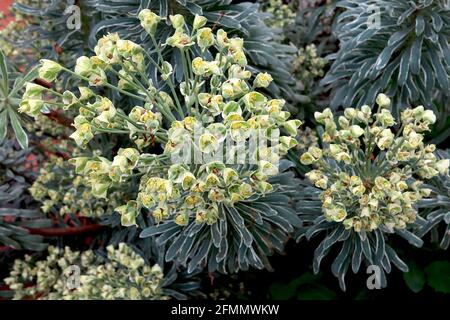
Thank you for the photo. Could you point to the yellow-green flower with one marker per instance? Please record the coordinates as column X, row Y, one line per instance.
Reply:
column 149, row 20
column 199, row 21
column 262, row 80
column 49, row 70
column 177, row 21
column 205, row 38
column 180, row 40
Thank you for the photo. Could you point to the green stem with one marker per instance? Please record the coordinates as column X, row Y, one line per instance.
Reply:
column 169, row 80
column 106, row 84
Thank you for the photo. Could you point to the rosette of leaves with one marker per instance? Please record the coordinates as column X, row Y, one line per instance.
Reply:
column 314, row 22
column 243, row 19
column 11, row 85
column 397, row 47
column 307, row 67
column 50, row 27
column 15, row 178
column 244, row 235
column 437, row 208
column 281, row 14
column 99, row 17
column 213, row 199
column 309, row 31
column 367, row 184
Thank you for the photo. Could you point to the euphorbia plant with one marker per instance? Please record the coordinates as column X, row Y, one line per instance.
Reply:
column 122, row 274
column 207, row 210
column 368, row 177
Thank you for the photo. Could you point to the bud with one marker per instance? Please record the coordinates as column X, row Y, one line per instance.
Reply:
column 350, row 113
column 245, row 190
column 385, row 139
column 429, row 116
column 205, row 38
column 128, row 213
column 385, row 118
column 307, row 159
column 177, row 21
column 262, row 80
column 230, row 176
column 343, row 122
column 199, row 21
column 49, row 70
column 383, row 101
column 167, row 70
column 292, row 126
column 83, row 66
column 315, row 152
column 222, row 38
column 322, row 116
column 267, row 168
column 288, row 142
column 182, row 219
column 33, row 91
column 442, row 166
column 356, row 131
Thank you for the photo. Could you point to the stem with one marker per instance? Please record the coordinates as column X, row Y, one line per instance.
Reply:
column 169, row 80
column 106, row 84
column 58, row 232
column 185, row 71
column 106, row 130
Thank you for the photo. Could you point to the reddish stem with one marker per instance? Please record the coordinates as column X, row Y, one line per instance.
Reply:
column 43, row 83
column 59, row 118
column 61, row 232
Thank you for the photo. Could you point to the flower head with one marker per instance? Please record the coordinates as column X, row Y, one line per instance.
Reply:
column 149, row 20
column 369, row 174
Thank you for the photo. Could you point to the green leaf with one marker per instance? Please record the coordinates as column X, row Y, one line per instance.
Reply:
column 21, row 136
column 438, row 274
column 404, row 67
column 3, row 124
column 31, row 75
column 10, row 242
column 4, row 71
column 437, row 21
column 410, row 237
column 415, row 278
column 416, row 55
column 383, row 58
column 420, row 25
column 440, row 70
column 24, row 213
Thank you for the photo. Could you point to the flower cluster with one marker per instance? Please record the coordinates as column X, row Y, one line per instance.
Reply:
column 282, row 14
column 60, row 189
column 306, row 138
column 371, row 170
column 436, row 209
column 221, row 101
column 308, row 66
column 122, row 275
column 44, row 126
